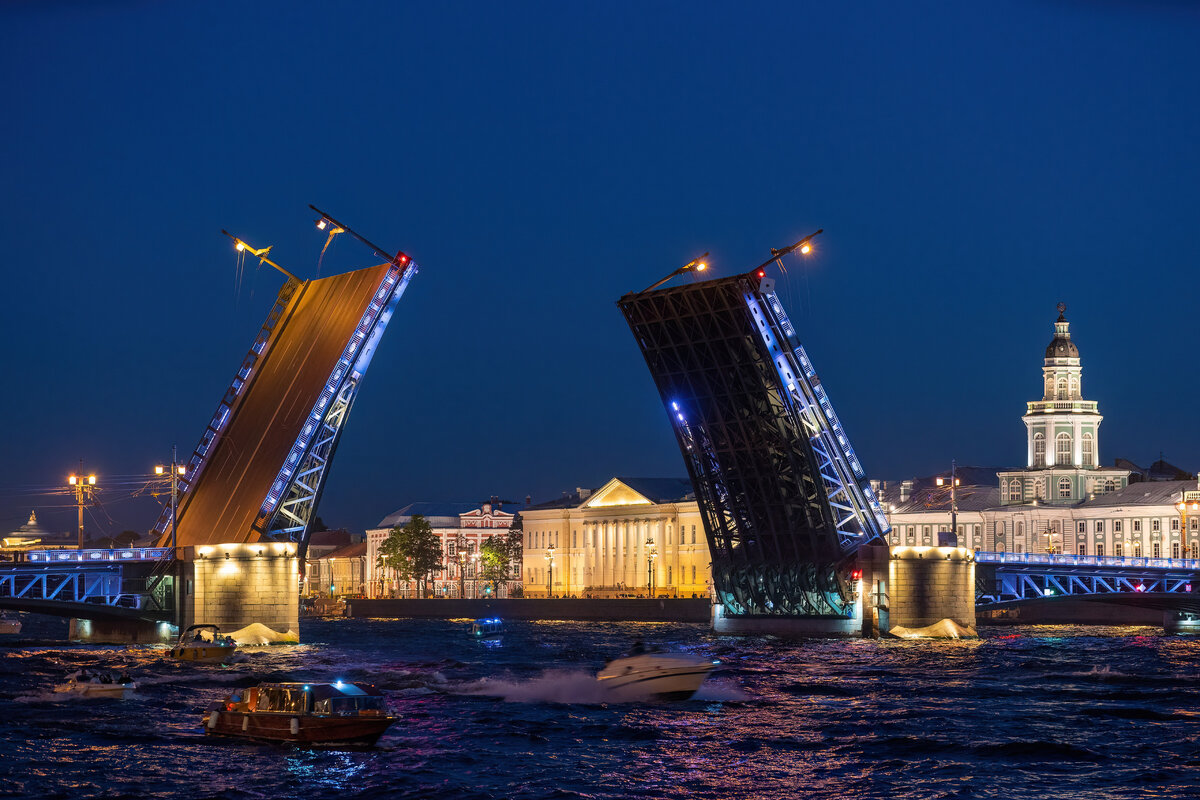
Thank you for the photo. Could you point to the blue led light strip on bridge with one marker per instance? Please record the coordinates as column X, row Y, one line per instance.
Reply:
column 859, row 516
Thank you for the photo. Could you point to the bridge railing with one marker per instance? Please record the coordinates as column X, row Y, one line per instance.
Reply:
column 98, row 556
column 1056, row 559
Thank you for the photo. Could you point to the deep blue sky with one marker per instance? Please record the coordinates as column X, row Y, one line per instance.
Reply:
column 972, row 165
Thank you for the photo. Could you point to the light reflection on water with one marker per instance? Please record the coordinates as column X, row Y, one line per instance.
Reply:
column 1034, row 712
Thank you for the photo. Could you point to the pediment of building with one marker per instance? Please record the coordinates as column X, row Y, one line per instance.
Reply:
column 616, row 493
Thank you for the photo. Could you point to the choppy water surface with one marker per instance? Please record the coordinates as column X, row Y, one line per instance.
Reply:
column 1034, row 712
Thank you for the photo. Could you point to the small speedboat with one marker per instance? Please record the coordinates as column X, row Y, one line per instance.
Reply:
column 205, row 644
column 100, row 685
column 487, row 630
column 653, row 675
column 9, row 624
column 326, row 714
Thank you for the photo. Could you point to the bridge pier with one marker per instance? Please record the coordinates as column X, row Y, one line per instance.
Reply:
column 918, row 592
column 252, row 591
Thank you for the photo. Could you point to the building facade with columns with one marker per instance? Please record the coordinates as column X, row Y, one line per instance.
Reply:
column 632, row 537
column 1061, row 501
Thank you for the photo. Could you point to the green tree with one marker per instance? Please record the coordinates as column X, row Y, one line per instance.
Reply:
column 411, row 553
column 501, row 556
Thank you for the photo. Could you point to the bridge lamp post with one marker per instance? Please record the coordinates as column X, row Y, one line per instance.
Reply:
column 953, row 481
column 177, row 469
column 550, row 573
column 85, row 489
column 696, row 264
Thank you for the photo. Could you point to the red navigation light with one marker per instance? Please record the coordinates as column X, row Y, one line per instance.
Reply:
column 856, row 575
column 762, row 273
column 403, row 259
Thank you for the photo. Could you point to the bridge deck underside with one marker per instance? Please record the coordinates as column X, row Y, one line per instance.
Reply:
column 223, row 504
column 772, row 535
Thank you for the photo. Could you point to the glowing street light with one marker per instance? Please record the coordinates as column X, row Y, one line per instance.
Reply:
column 651, row 554
column 953, row 483
column 85, row 489
column 697, row 264
column 550, row 574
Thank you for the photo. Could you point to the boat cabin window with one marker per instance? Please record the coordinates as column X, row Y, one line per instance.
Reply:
column 348, row 705
column 278, row 699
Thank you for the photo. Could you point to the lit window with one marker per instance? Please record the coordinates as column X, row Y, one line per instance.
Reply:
column 1039, row 450
column 1062, row 449
column 1064, row 487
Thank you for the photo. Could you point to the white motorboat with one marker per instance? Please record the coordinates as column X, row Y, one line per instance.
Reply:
column 98, row 685
column 9, row 624
column 661, row 676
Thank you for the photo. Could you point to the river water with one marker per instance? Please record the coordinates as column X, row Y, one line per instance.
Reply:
column 1048, row 712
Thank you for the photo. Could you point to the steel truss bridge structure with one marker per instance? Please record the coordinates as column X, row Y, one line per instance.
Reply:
column 130, row 583
column 261, row 464
column 1010, row 579
column 784, row 499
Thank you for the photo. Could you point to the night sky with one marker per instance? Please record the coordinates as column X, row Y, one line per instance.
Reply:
column 972, row 165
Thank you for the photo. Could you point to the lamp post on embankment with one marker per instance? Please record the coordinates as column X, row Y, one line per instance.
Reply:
column 85, row 490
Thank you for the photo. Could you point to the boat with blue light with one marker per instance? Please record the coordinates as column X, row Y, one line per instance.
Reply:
column 324, row 714
column 487, row 630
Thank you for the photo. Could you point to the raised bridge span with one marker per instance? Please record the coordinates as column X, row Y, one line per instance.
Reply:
column 249, row 491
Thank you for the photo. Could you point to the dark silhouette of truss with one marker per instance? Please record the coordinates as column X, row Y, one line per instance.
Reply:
column 784, row 499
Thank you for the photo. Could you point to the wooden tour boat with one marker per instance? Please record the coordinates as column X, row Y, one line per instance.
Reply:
column 303, row 713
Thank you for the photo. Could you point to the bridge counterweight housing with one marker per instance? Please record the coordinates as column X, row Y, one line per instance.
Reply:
column 784, row 499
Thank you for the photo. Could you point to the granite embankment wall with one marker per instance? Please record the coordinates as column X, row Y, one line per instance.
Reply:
column 573, row 610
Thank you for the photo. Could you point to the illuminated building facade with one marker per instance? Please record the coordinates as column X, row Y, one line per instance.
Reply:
column 632, row 537
column 1061, row 502
column 462, row 528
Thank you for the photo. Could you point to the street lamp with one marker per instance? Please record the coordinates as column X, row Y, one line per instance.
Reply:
column 475, row 558
column 651, row 554
column 550, row 574
column 177, row 469
column 696, row 264
column 462, row 574
column 953, row 498
column 85, row 488
column 1189, row 501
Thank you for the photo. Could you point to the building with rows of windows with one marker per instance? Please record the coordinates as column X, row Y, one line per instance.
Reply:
column 1062, row 501
column 461, row 529
column 632, row 537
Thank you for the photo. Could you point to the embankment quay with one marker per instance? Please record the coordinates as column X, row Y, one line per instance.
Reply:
column 572, row 610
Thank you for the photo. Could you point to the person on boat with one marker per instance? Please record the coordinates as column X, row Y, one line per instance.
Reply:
column 125, row 678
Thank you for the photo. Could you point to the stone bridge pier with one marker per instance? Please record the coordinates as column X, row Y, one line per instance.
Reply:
column 252, row 591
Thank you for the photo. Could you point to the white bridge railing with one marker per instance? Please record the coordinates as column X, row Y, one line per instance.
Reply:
column 123, row 554
column 1066, row 560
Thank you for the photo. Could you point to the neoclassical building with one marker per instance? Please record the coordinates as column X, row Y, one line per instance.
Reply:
column 631, row 537
column 457, row 525
column 1061, row 501
column 1062, row 435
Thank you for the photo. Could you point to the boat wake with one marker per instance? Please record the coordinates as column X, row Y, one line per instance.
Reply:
column 572, row 687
